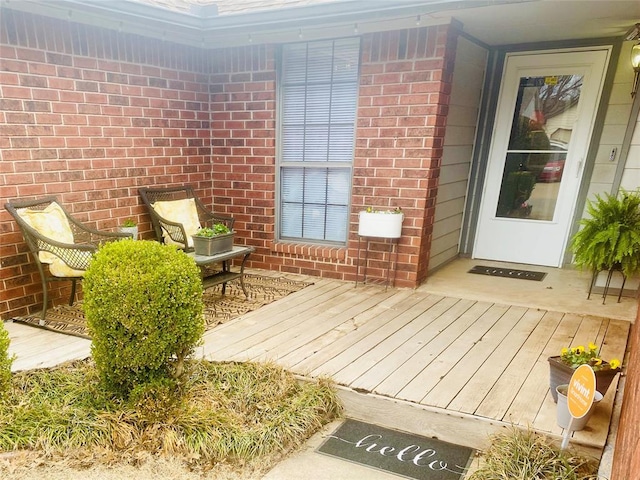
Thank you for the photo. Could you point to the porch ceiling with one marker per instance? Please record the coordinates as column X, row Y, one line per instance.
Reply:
column 494, row 22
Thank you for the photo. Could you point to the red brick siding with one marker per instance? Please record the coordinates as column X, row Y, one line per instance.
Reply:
column 90, row 115
column 404, row 95
column 402, row 105
column 243, row 132
column 626, row 460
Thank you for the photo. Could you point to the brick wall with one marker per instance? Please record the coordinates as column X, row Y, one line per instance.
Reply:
column 404, row 95
column 626, row 460
column 90, row 115
column 243, row 139
column 404, row 92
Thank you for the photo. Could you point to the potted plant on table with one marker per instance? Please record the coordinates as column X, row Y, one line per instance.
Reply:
column 561, row 367
column 380, row 223
column 129, row 226
column 213, row 240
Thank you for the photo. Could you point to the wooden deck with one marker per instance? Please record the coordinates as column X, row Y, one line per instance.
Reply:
column 458, row 369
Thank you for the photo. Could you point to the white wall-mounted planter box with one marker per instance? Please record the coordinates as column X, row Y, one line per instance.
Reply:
column 383, row 225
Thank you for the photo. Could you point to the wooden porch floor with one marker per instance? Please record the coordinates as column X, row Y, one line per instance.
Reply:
column 480, row 364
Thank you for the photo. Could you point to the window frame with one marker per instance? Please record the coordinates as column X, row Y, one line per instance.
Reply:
column 324, row 165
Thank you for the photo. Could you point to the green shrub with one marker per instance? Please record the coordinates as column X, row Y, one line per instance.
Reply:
column 5, row 362
column 143, row 305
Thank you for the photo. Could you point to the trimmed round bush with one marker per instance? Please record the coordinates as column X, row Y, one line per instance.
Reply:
column 143, row 305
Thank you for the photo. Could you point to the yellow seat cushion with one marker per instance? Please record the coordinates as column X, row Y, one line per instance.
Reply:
column 52, row 223
column 182, row 211
column 58, row 268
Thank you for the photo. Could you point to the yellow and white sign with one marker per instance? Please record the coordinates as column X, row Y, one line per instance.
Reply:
column 581, row 392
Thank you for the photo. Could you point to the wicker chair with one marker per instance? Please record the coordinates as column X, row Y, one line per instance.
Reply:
column 65, row 244
column 189, row 214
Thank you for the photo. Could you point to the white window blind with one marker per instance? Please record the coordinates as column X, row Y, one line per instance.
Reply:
column 319, row 92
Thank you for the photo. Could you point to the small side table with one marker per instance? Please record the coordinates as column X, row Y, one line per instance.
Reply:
column 226, row 275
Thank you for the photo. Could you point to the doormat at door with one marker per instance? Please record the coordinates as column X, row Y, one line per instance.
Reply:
column 508, row 273
column 405, row 454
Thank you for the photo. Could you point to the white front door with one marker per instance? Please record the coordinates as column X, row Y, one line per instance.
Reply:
column 544, row 120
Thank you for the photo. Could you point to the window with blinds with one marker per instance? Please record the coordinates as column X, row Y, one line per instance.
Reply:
column 318, row 100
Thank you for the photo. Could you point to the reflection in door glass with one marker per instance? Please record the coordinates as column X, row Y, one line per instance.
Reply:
column 546, row 109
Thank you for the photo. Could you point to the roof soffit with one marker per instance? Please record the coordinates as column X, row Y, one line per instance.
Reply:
column 494, row 22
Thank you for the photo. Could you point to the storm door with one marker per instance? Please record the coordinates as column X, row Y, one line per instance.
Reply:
column 544, row 121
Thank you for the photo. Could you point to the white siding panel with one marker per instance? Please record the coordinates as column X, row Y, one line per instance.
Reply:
column 442, row 244
column 451, row 190
column 634, row 153
column 446, row 226
column 460, row 115
column 613, row 134
column 631, row 179
column 454, row 173
column 456, row 154
column 618, row 114
column 462, row 119
column 460, row 135
column 604, row 173
column 615, row 125
column 450, row 208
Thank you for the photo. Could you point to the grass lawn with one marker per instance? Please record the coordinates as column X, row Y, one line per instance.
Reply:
column 234, row 420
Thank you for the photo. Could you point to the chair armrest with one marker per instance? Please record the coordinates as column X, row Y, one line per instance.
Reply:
column 76, row 256
column 212, row 218
column 175, row 230
column 85, row 234
column 96, row 237
column 208, row 218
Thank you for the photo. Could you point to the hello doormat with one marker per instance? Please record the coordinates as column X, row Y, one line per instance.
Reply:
column 508, row 273
column 218, row 308
column 405, row 454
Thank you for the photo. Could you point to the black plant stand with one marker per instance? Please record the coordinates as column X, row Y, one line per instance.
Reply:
column 615, row 268
column 392, row 262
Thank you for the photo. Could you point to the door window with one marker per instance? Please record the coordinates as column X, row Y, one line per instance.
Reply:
column 541, row 129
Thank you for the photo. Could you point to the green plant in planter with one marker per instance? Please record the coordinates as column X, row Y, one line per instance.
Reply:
column 217, row 229
column 129, row 222
column 562, row 367
column 576, row 356
column 610, row 238
column 390, row 210
column 143, row 305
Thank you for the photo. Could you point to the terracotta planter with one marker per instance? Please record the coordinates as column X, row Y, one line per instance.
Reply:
column 382, row 225
column 209, row 246
column 560, row 374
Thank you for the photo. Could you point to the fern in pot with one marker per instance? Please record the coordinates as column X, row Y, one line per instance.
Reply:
column 610, row 238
